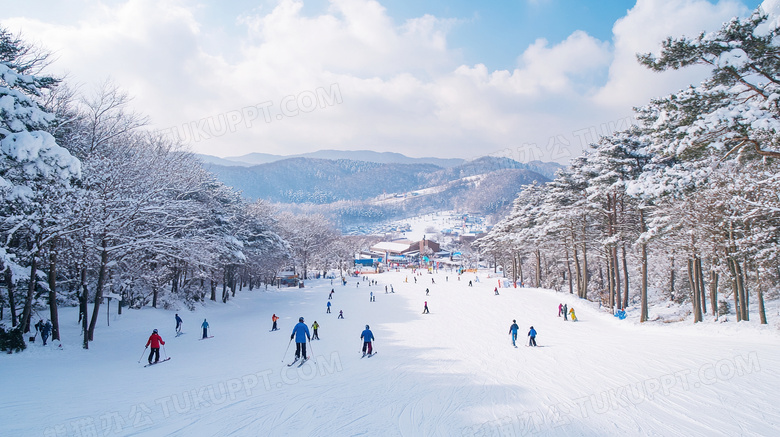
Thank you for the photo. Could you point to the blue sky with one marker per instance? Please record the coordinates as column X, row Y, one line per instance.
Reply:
column 527, row 79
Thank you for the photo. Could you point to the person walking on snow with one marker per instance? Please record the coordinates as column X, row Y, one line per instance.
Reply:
column 573, row 317
column 155, row 340
column 274, row 318
column 513, row 330
column 205, row 326
column 178, row 324
column 560, row 309
column 532, row 337
column 367, row 336
column 46, row 331
column 565, row 309
column 425, row 310
column 314, row 327
column 328, row 311
column 301, row 333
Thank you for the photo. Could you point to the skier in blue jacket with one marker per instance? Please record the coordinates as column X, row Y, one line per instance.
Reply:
column 513, row 330
column 532, row 337
column 367, row 337
column 301, row 333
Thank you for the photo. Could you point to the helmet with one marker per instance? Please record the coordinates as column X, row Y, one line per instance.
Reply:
column 514, row 321
column 300, row 319
column 155, row 331
column 366, row 326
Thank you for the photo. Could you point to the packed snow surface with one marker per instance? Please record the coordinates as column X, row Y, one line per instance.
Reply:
column 453, row 372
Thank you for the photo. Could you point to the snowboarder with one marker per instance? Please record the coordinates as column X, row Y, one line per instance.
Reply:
column 274, row 318
column 155, row 340
column 565, row 309
column 571, row 311
column 300, row 333
column 205, row 326
column 328, row 311
column 315, row 326
column 46, row 331
column 532, row 337
column 560, row 309
column 341, row 314
column 513, row 330
column 425, row 310
column 367, row 336
column 178, row 325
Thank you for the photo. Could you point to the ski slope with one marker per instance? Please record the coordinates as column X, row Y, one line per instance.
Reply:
column 452, row 372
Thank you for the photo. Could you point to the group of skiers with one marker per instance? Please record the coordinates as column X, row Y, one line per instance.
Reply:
column 531, row 334
column 566, row 311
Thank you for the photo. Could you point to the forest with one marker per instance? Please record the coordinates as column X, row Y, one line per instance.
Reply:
column 683, row 207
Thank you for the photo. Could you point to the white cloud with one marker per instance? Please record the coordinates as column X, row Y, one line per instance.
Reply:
column 401, row 85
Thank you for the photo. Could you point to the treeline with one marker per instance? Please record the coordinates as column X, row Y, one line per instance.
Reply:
column 685, row 203
column 94, row 203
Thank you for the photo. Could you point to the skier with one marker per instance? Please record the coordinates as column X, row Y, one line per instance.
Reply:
column 385, row 289
column 571, row 311
column 274, row 319
column 46, row 331
column 367, row 336
column 178, row 325
column 432, row 281
column 330, row 296
column 341, row 314
column 565, row 309
column 560, row 309
column 425, row 310
column 427, row 291
column 532, row 337
column 315, row 326
column 513, row 330
column 391, row 289
column 495, row 290
column 328, row 311
column 205, row 326
column 371, row 297
column 470, row 284
column 155, row 340
column 300, row 333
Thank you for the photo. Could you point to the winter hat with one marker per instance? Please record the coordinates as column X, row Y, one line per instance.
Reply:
column 300, row 319
column 366, row 326
column 532, row 327
column 155, row 331
column 514, row 321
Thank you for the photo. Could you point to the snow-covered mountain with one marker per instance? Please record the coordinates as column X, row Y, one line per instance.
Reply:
column 257, row 158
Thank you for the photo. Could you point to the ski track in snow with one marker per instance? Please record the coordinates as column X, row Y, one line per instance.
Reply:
column 451, row 372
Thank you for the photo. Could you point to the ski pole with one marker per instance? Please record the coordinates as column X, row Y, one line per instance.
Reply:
column 311, row 351
column 288, row 348
column 165, row 352
column 143, row 353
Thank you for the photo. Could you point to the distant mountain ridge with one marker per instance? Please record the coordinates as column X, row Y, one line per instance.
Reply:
column 257, row 158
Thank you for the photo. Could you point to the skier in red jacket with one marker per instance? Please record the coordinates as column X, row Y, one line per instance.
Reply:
column 155, row 340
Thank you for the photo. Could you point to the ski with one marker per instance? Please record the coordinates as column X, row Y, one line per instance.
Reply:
column 204, row 338
column 303, row 362
column 371, row 354
column 157, row 362
column 295, row 361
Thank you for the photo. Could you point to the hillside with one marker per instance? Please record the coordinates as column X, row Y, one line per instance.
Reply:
column 453, row 372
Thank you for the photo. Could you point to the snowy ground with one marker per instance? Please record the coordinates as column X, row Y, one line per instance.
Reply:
column 452, row 372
